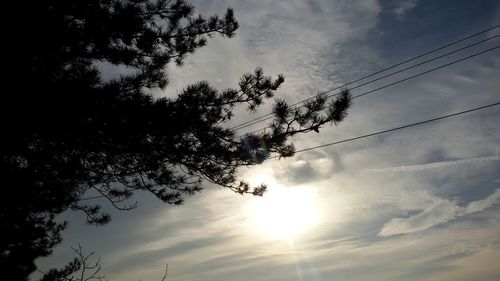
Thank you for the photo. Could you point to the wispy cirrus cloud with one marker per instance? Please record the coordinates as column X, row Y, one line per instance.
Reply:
column 370, row 190
column 442, row 211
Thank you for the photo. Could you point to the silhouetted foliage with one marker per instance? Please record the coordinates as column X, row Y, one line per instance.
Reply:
column 73, row 132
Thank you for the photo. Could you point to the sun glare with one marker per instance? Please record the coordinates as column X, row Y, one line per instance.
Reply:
column 283, row 213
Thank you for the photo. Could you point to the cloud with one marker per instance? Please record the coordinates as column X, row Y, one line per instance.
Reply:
column 480, row 205
column 304, row 40
column 438, row 252
column 436, row 165
column 318, row 45
column 404, row 6
column 441, row 212
column 481, row 265
column 307, row 169
column 150, row 257
column 437, row 214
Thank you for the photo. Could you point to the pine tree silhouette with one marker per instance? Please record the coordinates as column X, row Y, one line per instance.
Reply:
column 68, row 131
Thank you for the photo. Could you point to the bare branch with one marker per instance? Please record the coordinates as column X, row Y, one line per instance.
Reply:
column 166, row 271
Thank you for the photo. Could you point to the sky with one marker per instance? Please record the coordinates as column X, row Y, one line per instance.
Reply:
column 416, row 204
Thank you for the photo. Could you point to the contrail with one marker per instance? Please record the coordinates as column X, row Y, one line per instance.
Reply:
column 435, row 165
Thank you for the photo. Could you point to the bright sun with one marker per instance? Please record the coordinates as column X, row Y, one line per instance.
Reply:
column 283, row 213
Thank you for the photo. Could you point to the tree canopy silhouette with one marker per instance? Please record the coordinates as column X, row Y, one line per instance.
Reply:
column 73, row 132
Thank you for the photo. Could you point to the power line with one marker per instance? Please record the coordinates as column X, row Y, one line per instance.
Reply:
column 383, row 77
column 398, row 81
column 427, row 71
column 393, row 129
column 397, row 128
column 253, row 121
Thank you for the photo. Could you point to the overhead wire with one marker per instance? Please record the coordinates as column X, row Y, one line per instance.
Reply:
column 400, row 80
column 396, row 128
column 255, row 120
